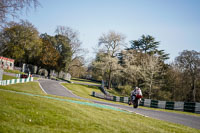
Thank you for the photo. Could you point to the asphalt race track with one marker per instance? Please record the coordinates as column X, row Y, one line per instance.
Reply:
column 55, row 88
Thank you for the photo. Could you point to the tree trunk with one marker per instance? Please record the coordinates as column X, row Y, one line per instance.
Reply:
column 38, row 69
column 150, row 86
column 49, row 71
column 194, row 90
column 109, row 79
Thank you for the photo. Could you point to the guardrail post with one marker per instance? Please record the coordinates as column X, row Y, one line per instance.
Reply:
column 93, row 94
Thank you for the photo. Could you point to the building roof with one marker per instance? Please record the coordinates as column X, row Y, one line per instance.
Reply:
column 8, row 59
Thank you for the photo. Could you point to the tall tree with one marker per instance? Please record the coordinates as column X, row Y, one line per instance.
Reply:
column 77, row 52
column 49, row 56
column 13, row 7
column 61, row 44
column 63, row 47
column 20, row 41
column 112, row 43
column 189, row 64
column 150, row 69
column 147, row 44
column 107, row 66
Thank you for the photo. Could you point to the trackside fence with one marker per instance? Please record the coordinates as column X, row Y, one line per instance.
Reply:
column 15, row 81
column 179, row 106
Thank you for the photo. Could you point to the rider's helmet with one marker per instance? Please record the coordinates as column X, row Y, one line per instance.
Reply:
column 137, row 88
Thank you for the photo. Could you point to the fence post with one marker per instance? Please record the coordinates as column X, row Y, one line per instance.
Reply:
column 93, row 94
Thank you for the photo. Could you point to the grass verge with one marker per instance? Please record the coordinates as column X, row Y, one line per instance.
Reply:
column 85, row 81
column 7, row 77
column 22, row 113
column 86, row 91
column 13, row 71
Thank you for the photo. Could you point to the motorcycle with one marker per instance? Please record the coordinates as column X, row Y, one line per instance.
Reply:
column 135, row 100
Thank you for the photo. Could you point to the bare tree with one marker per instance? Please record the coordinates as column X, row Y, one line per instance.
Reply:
column 150, row 67
column 112, row 42
column 131, row 66
column 108, row 66
column 13, row 7
column 78, row 52
column 189, row 63
column 73, row 37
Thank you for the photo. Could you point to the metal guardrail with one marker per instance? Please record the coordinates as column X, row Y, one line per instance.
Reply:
column 180, row 106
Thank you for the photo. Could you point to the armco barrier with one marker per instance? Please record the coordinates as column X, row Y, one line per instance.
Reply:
column 154, row 104
column 189, row 107
column 169, row 105
column 161, row 104
column 180, row 106
column 147, row 102
column 15, row 81
column 197, row 108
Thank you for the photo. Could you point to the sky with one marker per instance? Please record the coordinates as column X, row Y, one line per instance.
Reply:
column 175, row 23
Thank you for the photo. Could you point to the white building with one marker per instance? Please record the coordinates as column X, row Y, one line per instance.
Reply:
column 6, row 63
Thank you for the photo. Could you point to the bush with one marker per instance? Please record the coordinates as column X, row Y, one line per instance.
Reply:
column 125, row 90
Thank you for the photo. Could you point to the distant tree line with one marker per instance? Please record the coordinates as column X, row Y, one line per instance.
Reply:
column 22, row 42
column 143, row 65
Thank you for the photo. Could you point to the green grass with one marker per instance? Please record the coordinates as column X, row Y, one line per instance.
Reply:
column 81, row 90
column 30, row 87
column 86, row 81
column 7, row 77
column 35, row 78
column 22, row 113
column 13, row 71
column 86, row 91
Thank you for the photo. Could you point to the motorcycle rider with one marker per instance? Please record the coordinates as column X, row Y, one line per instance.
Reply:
column 136, row 91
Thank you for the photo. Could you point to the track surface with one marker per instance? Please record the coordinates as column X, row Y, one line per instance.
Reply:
column 54, row 88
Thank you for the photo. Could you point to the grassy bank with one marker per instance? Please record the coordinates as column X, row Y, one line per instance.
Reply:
column 86, row 91
column 81, row 90
column 7, row 77
column 30, row 87
column 86, row 81
column 22, row 113
column 13, row 71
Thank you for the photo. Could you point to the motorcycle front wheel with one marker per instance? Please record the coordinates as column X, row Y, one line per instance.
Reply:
column 135, row 103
